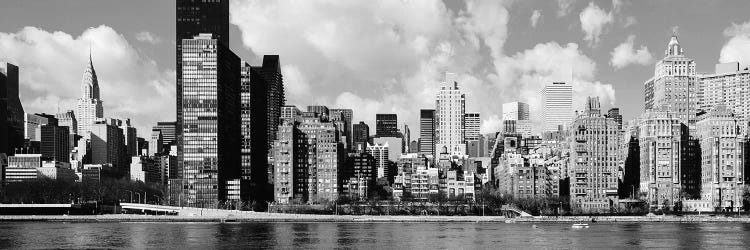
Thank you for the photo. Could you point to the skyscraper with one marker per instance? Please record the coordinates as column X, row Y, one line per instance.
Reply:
column 386, row 125
column 192, row 18
column 473, row 123
column 660, row 136
column 361, row 135
column 558, row 106
column 266, row 102
column 450, row 110
column 674, row 83
column 89, row 108
column 130, row 136
column 211, row 114
column 722, row 159
column 427, row 131
column 11, row 110
column 594, row 160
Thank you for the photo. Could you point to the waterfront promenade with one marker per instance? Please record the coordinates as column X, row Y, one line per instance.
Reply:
column 278, row 217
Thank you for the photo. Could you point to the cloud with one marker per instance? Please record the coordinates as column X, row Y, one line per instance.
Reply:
column 593, row 22
column 737, row 48
column 147, row 37
column 564, row 7
column 624, row 54
column 51, row 66
column 521, row 77
column 535, row 18
column 629, row 21
column 391, row 56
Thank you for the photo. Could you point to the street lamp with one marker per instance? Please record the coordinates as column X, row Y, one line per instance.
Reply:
column 139, row 197
column 131, row 195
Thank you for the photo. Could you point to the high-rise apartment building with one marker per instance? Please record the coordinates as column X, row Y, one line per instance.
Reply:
column 472, row 123
column 427, row 131
column 386, row 125
column 660, row 136
column 727, row 86
column 89, row 108
column 11, row 110
column 211, row 102
column 450, row 114
column 558, row 106
column 723, row 159
column 594, row 160
column 674, row 83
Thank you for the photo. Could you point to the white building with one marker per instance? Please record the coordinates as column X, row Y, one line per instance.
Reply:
column 558, row 106
column 674, row 84
column 450, row 111
column 89, row 108
column 728, row 86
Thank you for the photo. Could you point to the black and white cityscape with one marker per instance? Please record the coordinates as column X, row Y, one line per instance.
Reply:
column 360, row 124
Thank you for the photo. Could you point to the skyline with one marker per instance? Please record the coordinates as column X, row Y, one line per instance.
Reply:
column 403, row 54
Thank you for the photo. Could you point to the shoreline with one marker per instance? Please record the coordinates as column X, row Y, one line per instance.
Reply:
column 311, row 218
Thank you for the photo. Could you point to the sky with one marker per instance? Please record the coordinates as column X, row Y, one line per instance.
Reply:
column 385, row 56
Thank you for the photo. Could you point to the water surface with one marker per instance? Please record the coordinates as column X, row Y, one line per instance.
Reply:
column 371, row 235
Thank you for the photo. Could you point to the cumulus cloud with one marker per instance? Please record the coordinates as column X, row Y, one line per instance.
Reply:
column 593, row 22
column 629, row 21
column 737, row 48
column 535, row 18
column 51, row 66
column 391, row 56
column 625, row 54
column 524, row 75
column 147, row 37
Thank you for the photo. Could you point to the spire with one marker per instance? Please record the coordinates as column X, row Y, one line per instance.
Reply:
column 673, row 48
column 90, row 83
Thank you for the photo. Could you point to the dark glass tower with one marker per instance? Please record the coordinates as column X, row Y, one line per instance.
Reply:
column 386, row 125
column 427, row 131
column 361, row 135
column 211, row 108
column 11, row 110
column 195, row 17
column 266, row 98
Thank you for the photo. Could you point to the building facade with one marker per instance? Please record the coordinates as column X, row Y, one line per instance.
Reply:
column 89, row 108
column 386, row 125
column 210, row 141
column 427, row 132
column 674, row 83
column 594, row 142
column 11, row 110
column 450, row 114
column 558, row 106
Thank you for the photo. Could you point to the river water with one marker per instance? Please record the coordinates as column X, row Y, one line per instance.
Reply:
column 27, row 235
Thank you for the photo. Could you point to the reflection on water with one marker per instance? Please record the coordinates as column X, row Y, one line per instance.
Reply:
column 370, row 235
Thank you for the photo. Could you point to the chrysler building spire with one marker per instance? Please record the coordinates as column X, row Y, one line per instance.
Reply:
column 89, row 107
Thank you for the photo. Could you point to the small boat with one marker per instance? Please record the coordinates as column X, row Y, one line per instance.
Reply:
column 580, row 226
